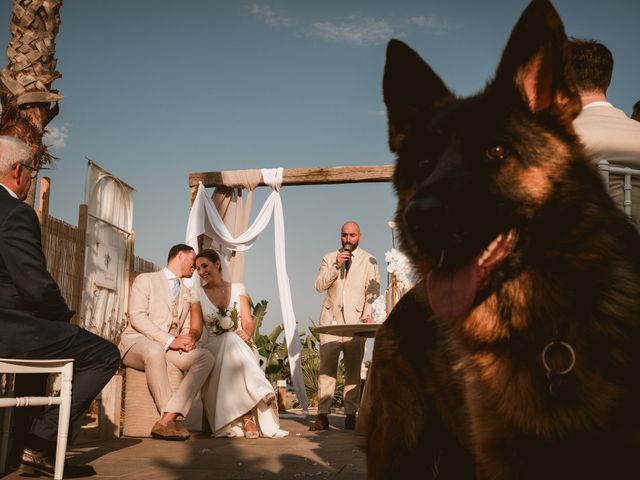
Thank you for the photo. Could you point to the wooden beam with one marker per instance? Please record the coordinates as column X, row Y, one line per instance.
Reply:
column 78, row 273
column 307, row 176
column 43, row 202
column 194, row 192
column 43, row 212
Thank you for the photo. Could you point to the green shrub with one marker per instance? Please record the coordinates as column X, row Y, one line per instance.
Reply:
column 276, row 359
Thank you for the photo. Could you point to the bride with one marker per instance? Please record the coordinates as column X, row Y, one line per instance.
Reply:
column 237, row 397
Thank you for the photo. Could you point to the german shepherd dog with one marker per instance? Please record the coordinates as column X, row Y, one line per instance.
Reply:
column 517, row 355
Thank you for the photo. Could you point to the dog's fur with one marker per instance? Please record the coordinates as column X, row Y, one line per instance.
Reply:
column 458, row 387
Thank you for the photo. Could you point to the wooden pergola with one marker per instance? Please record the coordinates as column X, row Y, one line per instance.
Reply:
column 305, row 176
column 301, row 176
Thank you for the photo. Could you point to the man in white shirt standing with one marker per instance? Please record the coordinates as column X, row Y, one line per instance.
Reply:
column 351, row 280
column 606, row 132
column 157, row 334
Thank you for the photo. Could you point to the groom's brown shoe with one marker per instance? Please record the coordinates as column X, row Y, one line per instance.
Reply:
column 172, row 431
column 321, row 423
column 181, row 429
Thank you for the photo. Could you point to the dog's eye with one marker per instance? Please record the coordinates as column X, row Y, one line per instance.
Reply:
column 497, row 152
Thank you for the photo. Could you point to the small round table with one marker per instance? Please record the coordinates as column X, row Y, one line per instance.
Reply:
column 367, row 330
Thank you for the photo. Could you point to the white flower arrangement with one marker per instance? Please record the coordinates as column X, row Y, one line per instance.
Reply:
column 402, row 275
column 379, row 309
column 187, row 297
column 222, row 321
column 399, row 266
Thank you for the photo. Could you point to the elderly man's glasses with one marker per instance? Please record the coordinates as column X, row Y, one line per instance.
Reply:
column 33, row 172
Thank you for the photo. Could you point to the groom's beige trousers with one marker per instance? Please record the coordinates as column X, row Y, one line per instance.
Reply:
column 150, row 356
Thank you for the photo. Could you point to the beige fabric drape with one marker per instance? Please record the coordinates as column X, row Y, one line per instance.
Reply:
column 234, row 212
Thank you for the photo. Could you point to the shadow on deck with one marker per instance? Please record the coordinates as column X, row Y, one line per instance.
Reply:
column 331, row 454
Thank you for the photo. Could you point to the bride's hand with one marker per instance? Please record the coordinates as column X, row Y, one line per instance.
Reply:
column 243, row 335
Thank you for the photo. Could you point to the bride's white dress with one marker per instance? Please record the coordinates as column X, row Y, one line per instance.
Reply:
column 237, row 384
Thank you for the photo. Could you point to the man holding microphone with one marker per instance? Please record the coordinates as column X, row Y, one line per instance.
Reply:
column 351, row 279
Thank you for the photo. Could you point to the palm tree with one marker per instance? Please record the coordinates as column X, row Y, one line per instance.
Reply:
column 28, row 103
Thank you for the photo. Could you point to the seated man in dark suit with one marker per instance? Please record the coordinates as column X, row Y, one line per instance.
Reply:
column 35, row 318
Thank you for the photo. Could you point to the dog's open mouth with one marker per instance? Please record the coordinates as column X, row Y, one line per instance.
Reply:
column 452, row 290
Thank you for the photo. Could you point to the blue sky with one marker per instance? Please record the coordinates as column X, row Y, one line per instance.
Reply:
column 157, row 89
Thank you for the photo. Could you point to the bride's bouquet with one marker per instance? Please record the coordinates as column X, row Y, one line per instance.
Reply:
column 222, row 321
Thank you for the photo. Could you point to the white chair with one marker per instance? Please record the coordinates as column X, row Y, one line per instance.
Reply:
column 607, row 170
column 64, row 367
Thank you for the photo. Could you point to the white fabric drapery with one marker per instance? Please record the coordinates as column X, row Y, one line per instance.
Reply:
column 204, row 219
column 110, row 206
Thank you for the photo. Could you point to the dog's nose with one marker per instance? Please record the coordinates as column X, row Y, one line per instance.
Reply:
column 427, row 222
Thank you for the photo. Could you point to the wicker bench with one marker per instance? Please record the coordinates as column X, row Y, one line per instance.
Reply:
column 140, row 411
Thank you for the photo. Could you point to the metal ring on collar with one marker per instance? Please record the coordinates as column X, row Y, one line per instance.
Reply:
column 569, row 348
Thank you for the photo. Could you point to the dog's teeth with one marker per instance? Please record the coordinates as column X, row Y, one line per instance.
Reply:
column 441, row 262
column 492, row 246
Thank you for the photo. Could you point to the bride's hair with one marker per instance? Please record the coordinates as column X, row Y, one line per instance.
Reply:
column 210, row 255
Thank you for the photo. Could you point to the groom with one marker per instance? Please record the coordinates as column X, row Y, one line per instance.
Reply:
column 159, row 310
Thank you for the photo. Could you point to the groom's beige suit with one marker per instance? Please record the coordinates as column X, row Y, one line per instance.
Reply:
column 155, row 317
column 348, row 300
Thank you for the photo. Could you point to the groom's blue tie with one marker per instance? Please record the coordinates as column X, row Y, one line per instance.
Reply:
column 175, row 289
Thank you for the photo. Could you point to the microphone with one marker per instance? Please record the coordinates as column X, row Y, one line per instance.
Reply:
column 347, row 248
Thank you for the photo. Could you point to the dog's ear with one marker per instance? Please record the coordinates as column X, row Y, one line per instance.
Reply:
column 536, row 61
column 410, row 90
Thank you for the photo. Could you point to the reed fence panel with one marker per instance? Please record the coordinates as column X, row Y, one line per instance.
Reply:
column 140, row 265
column 63, row 246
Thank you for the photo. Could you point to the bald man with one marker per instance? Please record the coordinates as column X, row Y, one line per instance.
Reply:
column 351, row 279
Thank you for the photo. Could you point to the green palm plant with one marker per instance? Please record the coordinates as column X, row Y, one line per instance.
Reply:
column 258, row 312
column 276, row 358
column 273, row 353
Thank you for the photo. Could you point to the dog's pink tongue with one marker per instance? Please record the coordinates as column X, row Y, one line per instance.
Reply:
column 452, row 291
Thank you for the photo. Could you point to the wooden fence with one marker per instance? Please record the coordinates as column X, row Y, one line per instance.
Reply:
column 140, row 265
column 63, row 246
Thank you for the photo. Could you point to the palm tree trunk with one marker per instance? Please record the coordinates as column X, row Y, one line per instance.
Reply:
column 28, row 103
